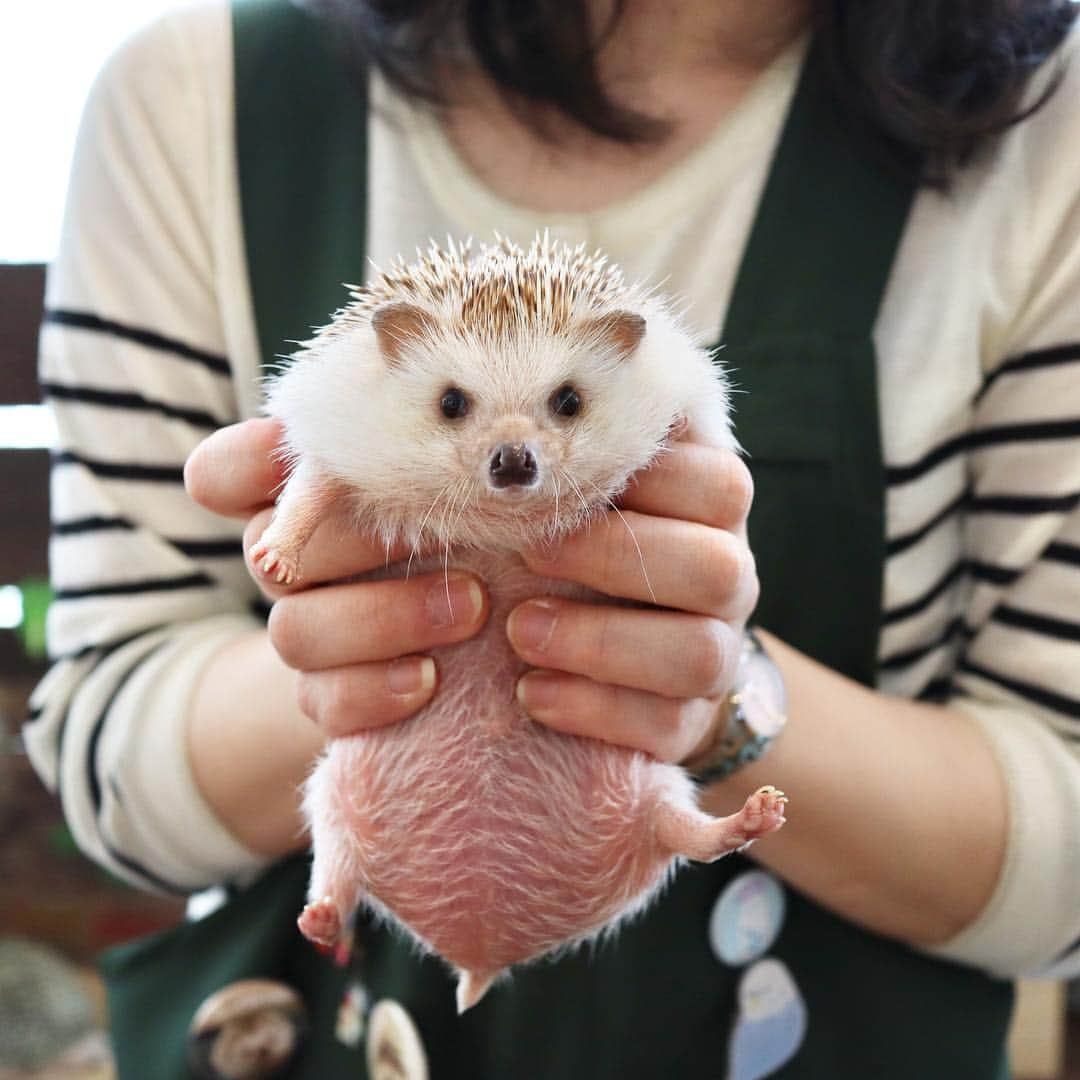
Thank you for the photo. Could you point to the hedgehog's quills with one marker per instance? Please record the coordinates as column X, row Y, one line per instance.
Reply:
column 481, row 403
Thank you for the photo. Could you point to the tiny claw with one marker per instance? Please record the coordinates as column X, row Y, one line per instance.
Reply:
column 321, row 921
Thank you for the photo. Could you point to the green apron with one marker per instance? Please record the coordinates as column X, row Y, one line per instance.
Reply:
column 656, row 1002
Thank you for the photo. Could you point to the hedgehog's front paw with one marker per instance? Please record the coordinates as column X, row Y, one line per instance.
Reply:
column 320, row 921
column 274, row 563
column 762, row 813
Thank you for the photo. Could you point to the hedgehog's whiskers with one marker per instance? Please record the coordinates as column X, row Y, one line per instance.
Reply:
column 554, row 531
column 460, row 489
column 586, row 510
column 420, row 531
column 637, row 547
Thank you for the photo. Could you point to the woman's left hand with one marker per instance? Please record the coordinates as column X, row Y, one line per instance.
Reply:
column 651, row 678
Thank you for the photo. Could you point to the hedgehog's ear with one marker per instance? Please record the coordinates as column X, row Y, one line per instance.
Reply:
column 399, row 324
column 620, row 331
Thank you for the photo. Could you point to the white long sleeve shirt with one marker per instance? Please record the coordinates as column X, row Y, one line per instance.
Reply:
column 149, row 344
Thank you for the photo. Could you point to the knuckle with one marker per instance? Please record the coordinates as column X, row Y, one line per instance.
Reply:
column 708, row 657
column 753, row 588
column 740, row 488
column 724, row 558
column 198, row 478
column 252, row 531
column 727, row 490
column 678, row 730
column 594, row 703
column 697, row 716
column 307, row 697
column 700, row 727
column 592, row 647
column 338, row 710
column 688, row 714
column 669, row 720
column 383, row 607
column 612, row 552
column 621, row 547
column 285, row 632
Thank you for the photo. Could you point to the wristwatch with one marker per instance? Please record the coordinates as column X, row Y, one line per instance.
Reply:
column 756, row 713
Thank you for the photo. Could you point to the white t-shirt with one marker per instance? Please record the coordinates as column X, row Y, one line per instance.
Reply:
column 149, row 344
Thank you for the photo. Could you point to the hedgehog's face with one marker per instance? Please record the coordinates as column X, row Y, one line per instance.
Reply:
column 513, row 439
column 495, row 401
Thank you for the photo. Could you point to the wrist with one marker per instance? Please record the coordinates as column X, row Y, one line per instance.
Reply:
column 751, row 716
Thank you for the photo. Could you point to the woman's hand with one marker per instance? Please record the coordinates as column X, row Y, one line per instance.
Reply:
column 650, row 678
column 357, row 646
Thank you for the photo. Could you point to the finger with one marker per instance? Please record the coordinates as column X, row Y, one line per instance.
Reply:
column 337, row 550
column 345, row 700
column 375, row 620
column 662, row 652
column 667, row 728
column 237, row 470
column 663, row 561
column 694, row 483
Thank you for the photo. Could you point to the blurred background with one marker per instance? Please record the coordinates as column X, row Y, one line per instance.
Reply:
column 57, row 910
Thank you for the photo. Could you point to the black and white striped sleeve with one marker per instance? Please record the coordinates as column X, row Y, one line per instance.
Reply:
column 1018, row 673
column 148, row 586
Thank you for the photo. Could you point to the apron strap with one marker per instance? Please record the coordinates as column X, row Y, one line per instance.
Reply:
column 798, row 341
column 831, row 216
column 301, row 125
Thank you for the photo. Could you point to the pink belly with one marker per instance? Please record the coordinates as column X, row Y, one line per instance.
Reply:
column 491, row 837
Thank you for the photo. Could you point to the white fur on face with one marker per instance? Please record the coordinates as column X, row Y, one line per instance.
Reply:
column 379, row 426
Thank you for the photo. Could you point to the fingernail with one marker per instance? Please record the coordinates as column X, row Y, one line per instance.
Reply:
column 531, row 625
column 537, row 691
column 411, row 674
column 455, row 600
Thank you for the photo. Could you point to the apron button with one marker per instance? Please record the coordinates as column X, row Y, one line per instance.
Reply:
column 248, row 1030
column 394, row 1049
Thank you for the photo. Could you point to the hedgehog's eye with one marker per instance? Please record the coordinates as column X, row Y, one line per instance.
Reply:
column 565, row 401
column 454, row 404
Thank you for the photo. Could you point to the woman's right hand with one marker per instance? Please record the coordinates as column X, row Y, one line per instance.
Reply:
column 358, row 646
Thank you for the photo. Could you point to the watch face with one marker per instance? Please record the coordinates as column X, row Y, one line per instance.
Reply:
column 763, row 699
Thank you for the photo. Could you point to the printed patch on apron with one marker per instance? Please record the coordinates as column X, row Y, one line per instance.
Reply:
column 746, row 918
column 771, row 1022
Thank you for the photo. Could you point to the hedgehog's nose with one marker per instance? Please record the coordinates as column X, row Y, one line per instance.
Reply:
column 512, row 464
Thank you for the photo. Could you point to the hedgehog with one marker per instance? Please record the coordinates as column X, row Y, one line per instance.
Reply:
column 474, row 403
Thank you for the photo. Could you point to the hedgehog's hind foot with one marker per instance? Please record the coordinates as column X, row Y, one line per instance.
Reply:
column 704, row 839
column 320, row 921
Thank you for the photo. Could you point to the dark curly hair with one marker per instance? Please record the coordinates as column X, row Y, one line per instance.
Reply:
column 936, row 77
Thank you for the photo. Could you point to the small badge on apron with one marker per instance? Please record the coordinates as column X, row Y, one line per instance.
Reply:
column 251, row 1029
column 771, row 1022
column 746, row 918
column 394, row 1048
column 352, row 1015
